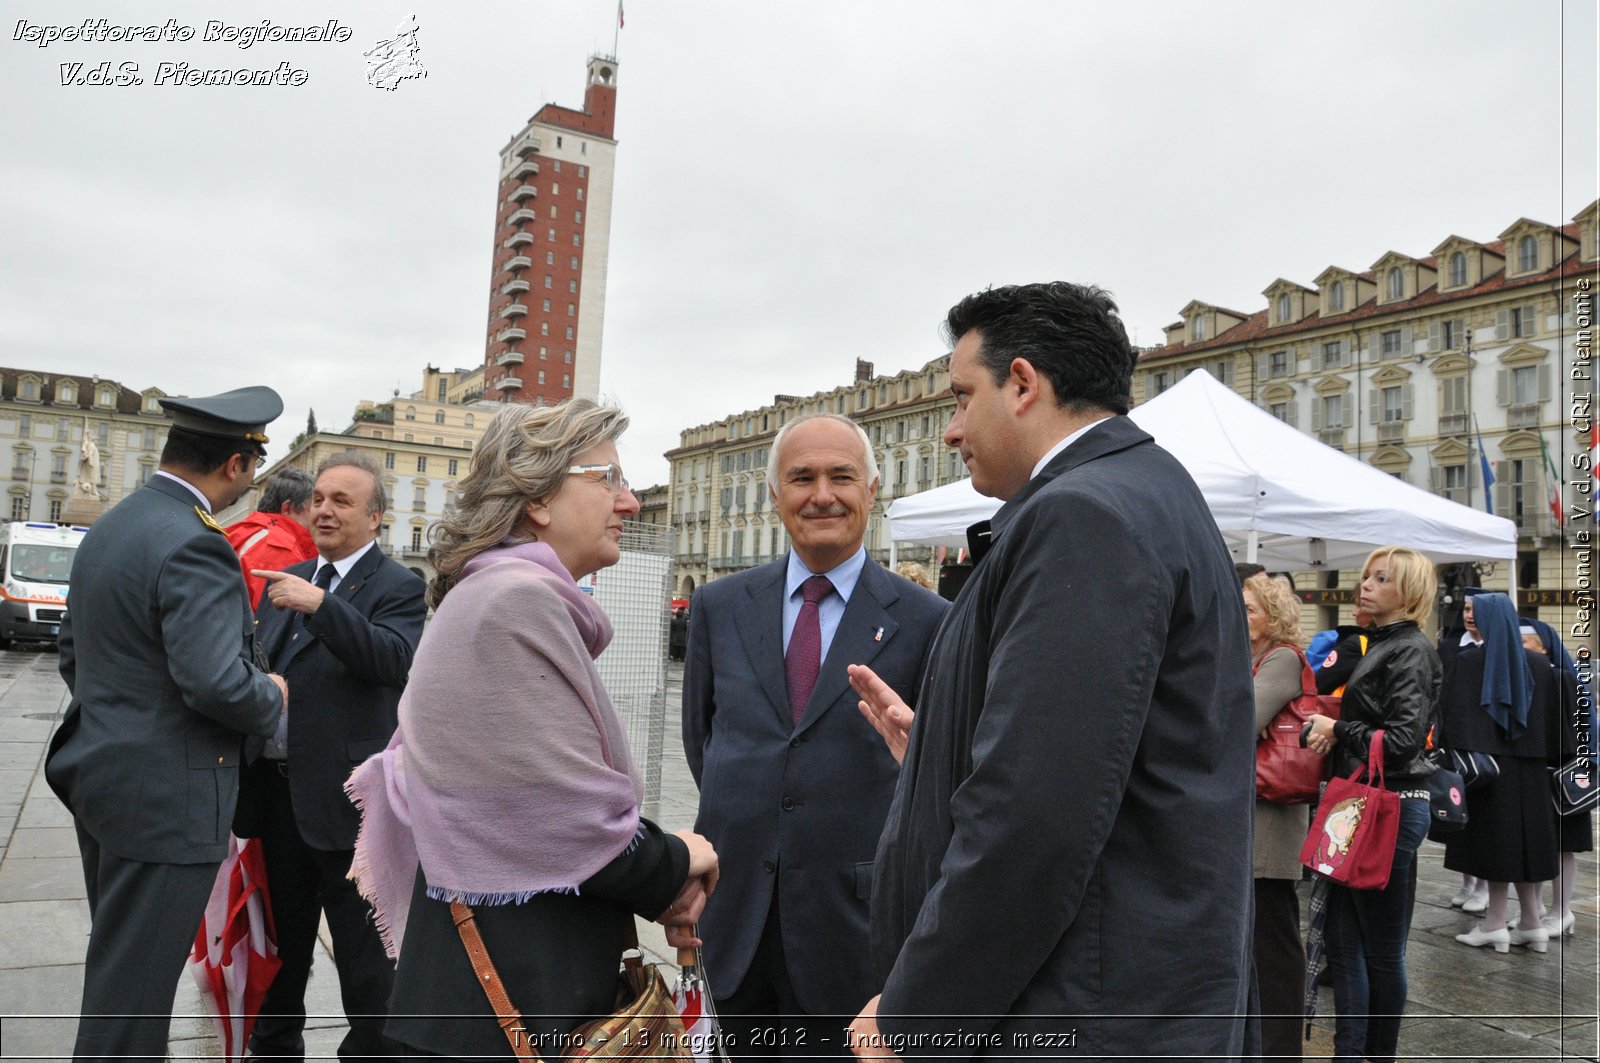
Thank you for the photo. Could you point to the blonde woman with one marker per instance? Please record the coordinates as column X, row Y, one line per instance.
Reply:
column 1395, row 688
column 509, row 785
column 1273, row 615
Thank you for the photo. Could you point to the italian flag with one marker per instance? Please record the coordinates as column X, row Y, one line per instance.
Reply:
column 1553, row 482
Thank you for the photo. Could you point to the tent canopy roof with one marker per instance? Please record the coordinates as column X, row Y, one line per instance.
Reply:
column 1309, row 505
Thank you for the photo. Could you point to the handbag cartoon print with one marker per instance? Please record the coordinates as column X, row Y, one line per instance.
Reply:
column 1337, row 831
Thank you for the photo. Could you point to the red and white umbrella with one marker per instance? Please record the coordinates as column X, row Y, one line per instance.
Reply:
column 235, row 954
column 693, row 998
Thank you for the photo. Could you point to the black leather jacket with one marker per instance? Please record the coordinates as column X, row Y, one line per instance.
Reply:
column 1396, row 688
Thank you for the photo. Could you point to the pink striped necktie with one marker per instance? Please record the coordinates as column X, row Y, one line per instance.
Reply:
column 805, row 646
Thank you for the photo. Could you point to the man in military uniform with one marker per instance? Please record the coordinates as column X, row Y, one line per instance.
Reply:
column 158, row 652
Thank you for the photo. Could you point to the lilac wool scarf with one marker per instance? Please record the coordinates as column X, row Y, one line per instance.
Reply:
column 509, row 775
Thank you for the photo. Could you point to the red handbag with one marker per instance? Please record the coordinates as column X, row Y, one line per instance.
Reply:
column 1286, row 771
column 1353, row 836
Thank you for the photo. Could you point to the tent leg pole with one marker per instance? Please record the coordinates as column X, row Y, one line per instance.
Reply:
column 894, row 553
column 1251, row 545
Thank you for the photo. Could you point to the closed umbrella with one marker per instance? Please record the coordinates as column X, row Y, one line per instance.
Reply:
column 235, row 954
column 693, row 997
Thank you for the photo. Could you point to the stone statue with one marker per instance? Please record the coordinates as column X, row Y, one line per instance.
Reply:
column 88, row 485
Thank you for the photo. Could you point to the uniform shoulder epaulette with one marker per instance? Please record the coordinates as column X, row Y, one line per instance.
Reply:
column 209, row 521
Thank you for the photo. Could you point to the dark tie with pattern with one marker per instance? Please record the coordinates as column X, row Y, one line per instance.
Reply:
column 805, row 645
column 323, row 581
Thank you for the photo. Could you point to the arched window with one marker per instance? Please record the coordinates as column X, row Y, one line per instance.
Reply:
column 1336, row 296
column 411, row 413
column 469, row 420
column 1397, row 283
column 1527, row 254
column 438, row 417
column 1458, row 269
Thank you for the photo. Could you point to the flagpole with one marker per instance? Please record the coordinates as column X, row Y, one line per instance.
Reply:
column 616, row 33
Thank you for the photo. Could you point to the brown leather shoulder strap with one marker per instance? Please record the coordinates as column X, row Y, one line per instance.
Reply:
column 506, row 1013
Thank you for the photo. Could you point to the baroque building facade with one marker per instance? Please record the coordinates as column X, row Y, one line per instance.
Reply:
column 43, row 418
column 1426, row 367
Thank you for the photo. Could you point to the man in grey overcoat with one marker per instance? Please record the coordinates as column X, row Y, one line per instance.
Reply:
column 157, row 650
column 794, row 783
column 1065, row 870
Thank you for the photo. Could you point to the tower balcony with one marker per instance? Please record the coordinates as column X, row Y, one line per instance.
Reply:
column 509, row 383
column 518, row 240
column 525, row 168
column 514, row 310
column 525, row 145
column 511, row 334
column 520, row 216
column 516, row 262
column 524, row 193
column 509, row 358
column 513, row 287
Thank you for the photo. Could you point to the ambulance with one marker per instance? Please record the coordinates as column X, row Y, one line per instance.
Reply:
column 35, row 564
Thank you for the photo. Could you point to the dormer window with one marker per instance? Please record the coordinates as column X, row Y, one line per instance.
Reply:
column 66, row 391
column 106, row 397
column 1397, row 283
column 152, row 404
column 1283, row 308
column 1527, row 254
column 28, row 389
column 1336, row 296
column 1458, row 269
column 1197, row 329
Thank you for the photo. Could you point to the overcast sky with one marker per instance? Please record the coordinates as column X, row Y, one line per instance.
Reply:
column 798, row 185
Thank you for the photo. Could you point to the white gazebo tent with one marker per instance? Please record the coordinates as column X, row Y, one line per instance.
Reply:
column 1279, row 497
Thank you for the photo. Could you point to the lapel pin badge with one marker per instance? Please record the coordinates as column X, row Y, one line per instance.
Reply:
column 879, row 636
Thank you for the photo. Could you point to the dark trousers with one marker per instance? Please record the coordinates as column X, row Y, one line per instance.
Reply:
column 1280, row 968
column 1366, row 936
column 304, row 883
column 143, row 919
column 763, row 1020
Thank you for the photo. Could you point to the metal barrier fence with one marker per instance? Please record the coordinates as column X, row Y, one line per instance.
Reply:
column 634, row 593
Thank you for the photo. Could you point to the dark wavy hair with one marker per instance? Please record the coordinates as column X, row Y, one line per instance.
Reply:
column 1069, row 333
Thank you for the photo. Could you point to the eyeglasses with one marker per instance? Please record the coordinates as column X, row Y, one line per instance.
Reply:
column 609, row 474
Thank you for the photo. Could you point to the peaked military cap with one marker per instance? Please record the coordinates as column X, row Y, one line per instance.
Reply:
column 241, row 414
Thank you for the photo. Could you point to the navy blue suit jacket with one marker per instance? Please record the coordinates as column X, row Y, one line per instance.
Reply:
column 796, row 807
column 345, row 673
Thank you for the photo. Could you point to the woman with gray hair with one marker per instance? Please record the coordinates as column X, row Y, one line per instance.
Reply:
column 509, row 786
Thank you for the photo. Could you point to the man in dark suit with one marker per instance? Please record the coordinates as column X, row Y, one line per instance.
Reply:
column 342, row 629
column 793, row 782
column 157, row 652
column 1066, row 868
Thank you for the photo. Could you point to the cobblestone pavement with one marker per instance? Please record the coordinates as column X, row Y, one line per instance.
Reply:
column 1466, row 1004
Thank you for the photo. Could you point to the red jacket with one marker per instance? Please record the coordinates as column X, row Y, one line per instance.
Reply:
column 268, row 541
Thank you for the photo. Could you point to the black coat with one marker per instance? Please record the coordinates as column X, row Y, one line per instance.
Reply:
column 1511, row 832
column 556, row 954
column 1070, row 834
column 345, row 672
column 1395, row 688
